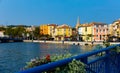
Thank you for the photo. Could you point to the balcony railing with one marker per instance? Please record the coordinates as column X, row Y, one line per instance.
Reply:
column 107, row 63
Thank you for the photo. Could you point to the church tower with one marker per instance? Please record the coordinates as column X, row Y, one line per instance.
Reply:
column 78, row 23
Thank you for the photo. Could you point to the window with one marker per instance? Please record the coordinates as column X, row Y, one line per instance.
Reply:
column 105, row 25
column 86, row 29
column 97, row 30
column 97, row 36
column 69, row 29
column 100, row 37
column 64, row 30
column 99, row 25
column 103, row 30
column 94, row 25
column 100, row 30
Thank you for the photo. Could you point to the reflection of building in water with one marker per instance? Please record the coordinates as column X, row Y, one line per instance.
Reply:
column 86, row 47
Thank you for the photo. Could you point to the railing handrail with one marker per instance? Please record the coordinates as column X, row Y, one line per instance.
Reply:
column 53, row 65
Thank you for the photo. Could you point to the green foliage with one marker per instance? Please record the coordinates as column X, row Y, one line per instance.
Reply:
column 2, row 29
column 117, row 49
column 37, row 61
column 36, row 32
column 106, row 44
column 73, row 67
column 60, row 57
column 15, row 31
column 87, row 38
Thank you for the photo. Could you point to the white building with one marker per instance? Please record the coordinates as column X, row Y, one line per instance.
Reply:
column 2, row 34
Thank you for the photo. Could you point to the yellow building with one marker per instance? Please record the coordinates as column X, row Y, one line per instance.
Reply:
column 51, row 30
column 85, row 31
column 114, row 29
column 44, row 29
column 63, row 32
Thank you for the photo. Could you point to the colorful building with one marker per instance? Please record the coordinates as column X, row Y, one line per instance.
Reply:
column 114, row 29
column 51, row 30
column 2, row 34
column 93, row 31
column 85, row 32
column 63, row 32
column 100, row 31
column 44, row 29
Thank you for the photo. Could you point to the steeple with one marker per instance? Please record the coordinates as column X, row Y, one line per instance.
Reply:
column 78, row 20
column 78, row 23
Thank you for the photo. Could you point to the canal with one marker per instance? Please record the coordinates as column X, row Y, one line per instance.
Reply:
column 13, row 56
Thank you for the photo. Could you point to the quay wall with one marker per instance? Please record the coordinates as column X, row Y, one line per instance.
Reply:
column 68, row 42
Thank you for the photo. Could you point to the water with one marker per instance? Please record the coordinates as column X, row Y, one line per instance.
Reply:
column 13, row 56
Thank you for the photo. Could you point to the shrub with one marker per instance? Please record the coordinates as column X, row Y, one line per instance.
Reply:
column 73, row 67
column 106, row 44
column 117, row 49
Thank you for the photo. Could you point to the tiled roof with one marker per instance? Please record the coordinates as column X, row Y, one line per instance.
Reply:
column 63, row 26
column 98, row 23
column 52, row 24
column 85, row 25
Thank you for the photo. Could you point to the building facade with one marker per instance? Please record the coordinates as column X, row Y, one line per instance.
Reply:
column 85, row 32
column 51, row 30
column 2, row 34
column 100, row 31
column 63, row 32
column 93, row 31
column 114, row 30
column 44, row 29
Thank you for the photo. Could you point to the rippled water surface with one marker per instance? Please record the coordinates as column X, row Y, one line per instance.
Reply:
column 13, row 56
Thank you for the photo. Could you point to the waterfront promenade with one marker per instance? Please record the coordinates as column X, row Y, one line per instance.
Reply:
column 69, row 42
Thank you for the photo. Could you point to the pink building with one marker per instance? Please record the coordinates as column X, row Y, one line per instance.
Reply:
column 100, row 31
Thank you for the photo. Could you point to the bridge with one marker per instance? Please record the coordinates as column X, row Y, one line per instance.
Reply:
column 107, row 63
column 7, row 39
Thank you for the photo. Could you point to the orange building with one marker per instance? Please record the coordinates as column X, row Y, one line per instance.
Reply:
column 44, row 29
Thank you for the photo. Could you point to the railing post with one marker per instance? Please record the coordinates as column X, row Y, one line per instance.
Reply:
column 107, row 64
column 84, row 60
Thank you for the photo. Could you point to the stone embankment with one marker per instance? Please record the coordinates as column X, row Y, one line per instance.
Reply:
column 69, row 42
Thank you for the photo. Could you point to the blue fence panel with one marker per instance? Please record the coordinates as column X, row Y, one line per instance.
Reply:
column 107, row 63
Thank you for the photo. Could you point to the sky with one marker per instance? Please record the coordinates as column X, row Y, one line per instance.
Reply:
column 37, row 12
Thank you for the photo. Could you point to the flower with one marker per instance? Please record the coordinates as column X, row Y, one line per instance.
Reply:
column 48, row 57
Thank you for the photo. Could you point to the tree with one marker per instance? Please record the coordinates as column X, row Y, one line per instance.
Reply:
column 36, row 32
column 2, row 28
column 18, row 31
column 9, row 31
column 15, row 31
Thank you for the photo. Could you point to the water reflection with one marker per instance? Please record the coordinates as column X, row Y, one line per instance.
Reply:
column 13, row 56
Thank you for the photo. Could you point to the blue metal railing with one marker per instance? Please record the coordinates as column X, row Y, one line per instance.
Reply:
column 103, row 64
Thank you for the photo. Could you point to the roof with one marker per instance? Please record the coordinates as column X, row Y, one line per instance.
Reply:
column 98, row 23
column 52, row 24
column 117, row 21
column 85, row 25
column 63, row 26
